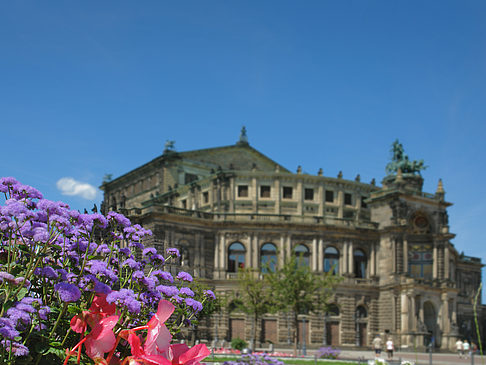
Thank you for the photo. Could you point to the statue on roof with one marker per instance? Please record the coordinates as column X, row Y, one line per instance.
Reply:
column 400, row 161
column 169, row 146
column 243, row 137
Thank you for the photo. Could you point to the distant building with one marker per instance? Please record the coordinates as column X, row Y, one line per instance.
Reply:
column 231, row 207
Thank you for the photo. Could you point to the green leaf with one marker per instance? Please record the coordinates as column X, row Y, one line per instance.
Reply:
column 22, row 293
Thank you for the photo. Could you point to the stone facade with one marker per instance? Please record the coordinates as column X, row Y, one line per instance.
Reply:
column 230, row 207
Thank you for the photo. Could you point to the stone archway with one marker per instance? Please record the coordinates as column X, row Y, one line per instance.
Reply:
column 430, row 321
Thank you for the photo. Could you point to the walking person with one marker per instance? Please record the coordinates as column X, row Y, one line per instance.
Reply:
column 459, row 348
column 466, row 348
column 377, row 345
column 389, row 348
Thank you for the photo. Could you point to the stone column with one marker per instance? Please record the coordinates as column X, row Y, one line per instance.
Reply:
column 405, row 313
column 320, row 195
column 394, row 254
column 340, row 200
column 281, row 251
column 435, row 267
column 314, row 254
column 277, row 195
column 405, row 255
column 413, row 315
column 446, row 324
column 288, row 247
column 217, row 239
column 255, row 252
column 254, row 189
column 446, row 262
column 351, row 258
column 320, row 255
column 372, row 260
column 222, row 255
column 344, row 258
column 232, row 195
column 211, row 195
column 300, row 198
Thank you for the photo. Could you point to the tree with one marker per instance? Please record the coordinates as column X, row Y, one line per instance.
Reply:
column 299, row 290
column 254, row 297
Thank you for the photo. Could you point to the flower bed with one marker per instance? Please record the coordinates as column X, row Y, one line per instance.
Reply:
column 70, row 281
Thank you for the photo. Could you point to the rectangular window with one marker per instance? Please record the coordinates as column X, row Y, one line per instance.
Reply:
column 206, row 197
column 184, row 204
column 242, row 191
column 348, row 199
column 309, row 194
column 363, row 203
column 287, row 192
column 264, row 191
column 329, row 196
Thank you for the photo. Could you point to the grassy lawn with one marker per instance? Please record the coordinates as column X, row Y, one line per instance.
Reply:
column 289, row 361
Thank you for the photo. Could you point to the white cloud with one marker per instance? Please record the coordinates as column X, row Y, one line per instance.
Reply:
column 70, row 186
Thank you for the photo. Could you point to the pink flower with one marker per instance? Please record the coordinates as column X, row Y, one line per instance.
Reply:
column 181, row 354
column 101, row 339
column 139, row 355
column 158, row 336
column 99, row 309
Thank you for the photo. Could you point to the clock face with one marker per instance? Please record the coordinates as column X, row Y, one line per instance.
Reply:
column 421, row 222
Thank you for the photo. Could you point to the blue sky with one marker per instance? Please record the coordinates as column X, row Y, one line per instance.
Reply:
column 89, row 88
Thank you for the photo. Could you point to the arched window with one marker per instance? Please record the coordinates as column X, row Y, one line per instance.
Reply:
column 236, row 257
column 184, row 258
column 331, row 260
column 360, row 263
column 268, row 258
column 303, row 255
column 361, row 312
column 332, row 310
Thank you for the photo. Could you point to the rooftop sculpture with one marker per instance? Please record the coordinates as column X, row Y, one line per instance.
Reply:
column 400, row 161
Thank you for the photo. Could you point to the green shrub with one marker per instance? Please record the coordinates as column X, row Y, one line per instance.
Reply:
column 238, row 344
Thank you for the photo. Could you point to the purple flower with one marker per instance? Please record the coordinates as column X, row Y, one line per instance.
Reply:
column 119, row 218
column 136, row 244
column 68, row 292
column 18, row 349
column 164, row 275
column 132, row 264
column 25, row 307
column 138, row 275
column 184, row 276
column 210, row 294
column 186, row 291
column 124, row 298
column 149, row 251
column 43, row 312
column 103, row 248
column 97, row 267
column 126, row 251
column 168, row 291
column 178, row 299
column 17, row 315
column 7, row 328
column 5, row 182
column 157, row 259
column 49, row 273
column 101, row 288
column 197, row 306
column 173, row 252
column 5, row 276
